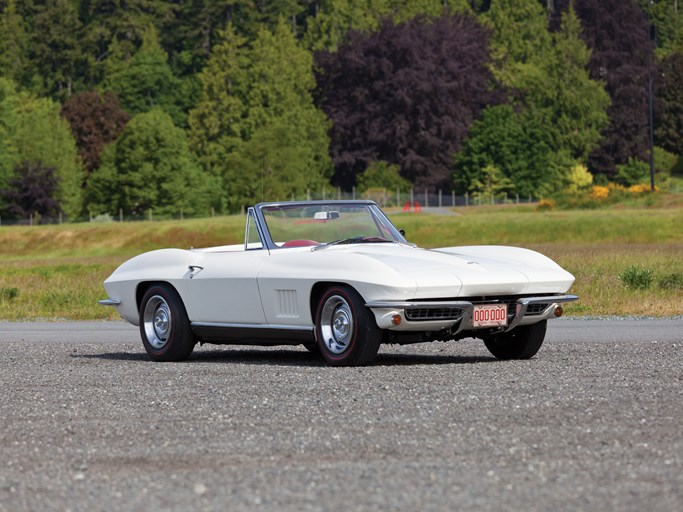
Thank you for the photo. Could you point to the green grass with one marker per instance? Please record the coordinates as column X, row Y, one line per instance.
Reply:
column 56, row 272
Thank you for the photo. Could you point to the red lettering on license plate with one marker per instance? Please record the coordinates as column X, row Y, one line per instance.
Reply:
column 490, row 315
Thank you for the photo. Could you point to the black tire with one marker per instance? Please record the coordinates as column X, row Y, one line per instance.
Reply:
column 345, row 329
column 520, row 343
column 164, row 325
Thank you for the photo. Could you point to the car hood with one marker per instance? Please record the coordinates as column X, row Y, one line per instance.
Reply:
column 471, row 271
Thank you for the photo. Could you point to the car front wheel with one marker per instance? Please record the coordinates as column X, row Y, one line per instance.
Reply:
column 346, row 330
column 164, row 325
column 520, row 343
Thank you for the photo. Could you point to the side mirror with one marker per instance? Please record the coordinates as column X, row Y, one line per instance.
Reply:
column 402, row 231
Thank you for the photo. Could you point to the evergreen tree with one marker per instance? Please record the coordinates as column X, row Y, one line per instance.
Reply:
column 123, row 22
column 556, row 94
column 147, row 82
column 149, row 167
column 667, row 18
column 215, row 122
column 617, row 32
column 520, row 35
column 13, row 44
column 56, row 49
column 256, row 106
column 333, row 19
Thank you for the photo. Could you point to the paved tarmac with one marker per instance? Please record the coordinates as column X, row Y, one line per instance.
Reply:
column 592, row 423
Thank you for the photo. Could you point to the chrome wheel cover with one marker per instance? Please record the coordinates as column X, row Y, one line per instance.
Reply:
column 157, row 322
column 336, row 324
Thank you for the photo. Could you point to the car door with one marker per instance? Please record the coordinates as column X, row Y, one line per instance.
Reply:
column 224, row 287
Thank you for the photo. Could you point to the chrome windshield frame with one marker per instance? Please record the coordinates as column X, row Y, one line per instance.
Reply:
column 376, row 212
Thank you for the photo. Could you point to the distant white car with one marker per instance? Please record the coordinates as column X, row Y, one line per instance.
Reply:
column 339, row 278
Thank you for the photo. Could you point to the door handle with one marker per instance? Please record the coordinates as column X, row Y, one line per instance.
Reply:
column 194, row 270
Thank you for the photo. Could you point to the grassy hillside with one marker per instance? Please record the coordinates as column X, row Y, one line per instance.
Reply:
column 55, row 272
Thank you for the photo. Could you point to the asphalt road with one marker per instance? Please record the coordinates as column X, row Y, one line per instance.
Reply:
column 594, row 422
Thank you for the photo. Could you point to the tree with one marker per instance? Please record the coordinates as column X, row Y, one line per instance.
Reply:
column 32, row 192
column 406, row 95
column 272, row 165
column 32, row 133
column 119, row 24
column 256, row 105
column 620, row 61
column 670, row 94
column 147, row 81
column 333, row 19
column 8, row 151
column 667, row 17
column 504, row 151
column 381, row 175
column 56, row 47
column 149, row 167
column 215, row 122
column 13, row 43
column 549, row 71
column 520, row 35
column 95, row 120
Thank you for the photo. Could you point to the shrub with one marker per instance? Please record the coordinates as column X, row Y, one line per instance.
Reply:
column 637, row 278
column 546, row 205
column 599, row 192
column 579, row 178
column 673, row 281
column 632, row 173
column 8, row 294
column 641, row 188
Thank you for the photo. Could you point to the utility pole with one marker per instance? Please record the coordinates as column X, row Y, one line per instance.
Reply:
column 650, row 100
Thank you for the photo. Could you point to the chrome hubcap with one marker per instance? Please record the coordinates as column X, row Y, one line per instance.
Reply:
column 157, row 322
column 336, row 324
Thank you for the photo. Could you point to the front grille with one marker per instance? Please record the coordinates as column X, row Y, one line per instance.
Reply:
column 536, row 309
column 423, row 314
column 511, row 302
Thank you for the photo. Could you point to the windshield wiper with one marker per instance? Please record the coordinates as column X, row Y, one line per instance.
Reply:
column 354, row 240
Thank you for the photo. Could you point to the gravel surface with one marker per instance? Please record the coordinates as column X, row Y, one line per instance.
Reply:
column 89, row 426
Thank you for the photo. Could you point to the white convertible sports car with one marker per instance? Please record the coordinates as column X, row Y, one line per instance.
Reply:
column 339, row 278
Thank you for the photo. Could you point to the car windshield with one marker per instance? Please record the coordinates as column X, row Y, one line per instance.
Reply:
column 292, row 225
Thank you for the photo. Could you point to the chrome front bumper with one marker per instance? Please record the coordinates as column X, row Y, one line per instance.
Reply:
column 385, row 311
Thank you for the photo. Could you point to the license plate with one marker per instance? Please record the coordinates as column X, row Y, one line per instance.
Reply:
column 490, row 315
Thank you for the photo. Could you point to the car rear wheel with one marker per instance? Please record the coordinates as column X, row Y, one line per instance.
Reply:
column 346, row 330
column 164, row 325
column 520, row 343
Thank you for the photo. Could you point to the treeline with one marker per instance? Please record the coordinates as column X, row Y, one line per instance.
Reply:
column 198, row 105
